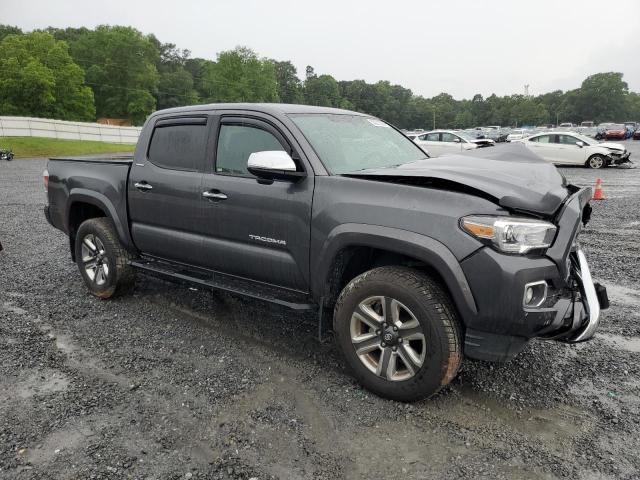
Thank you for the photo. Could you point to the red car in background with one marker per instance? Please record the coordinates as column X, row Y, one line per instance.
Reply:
column 615, row 132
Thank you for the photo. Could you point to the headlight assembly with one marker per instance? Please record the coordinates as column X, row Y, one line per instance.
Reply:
column 510, row 234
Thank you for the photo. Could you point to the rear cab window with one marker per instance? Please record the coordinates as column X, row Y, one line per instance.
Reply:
column 179, row 144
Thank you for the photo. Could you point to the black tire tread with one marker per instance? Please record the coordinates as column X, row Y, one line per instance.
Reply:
column 433, row 295
column 125, row 274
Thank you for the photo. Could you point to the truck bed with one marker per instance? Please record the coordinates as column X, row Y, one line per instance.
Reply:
column 105, row 158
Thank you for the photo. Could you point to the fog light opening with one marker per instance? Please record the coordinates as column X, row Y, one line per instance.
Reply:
column 535, row 294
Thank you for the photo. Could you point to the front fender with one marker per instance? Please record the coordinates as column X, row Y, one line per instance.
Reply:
column 411, row 244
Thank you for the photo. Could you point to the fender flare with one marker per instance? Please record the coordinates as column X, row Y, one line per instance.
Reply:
column 421, row 247
column 83, row 195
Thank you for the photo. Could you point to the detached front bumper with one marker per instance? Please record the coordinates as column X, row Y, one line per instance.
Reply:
column 565, row 307
column 616, row 159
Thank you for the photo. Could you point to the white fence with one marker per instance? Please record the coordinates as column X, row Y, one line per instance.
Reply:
column 42, row 127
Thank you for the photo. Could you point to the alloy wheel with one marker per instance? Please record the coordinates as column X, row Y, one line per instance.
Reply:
column 388, row 338
column 94, row 259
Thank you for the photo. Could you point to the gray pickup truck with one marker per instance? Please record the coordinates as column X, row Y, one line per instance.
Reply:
column 414, row 262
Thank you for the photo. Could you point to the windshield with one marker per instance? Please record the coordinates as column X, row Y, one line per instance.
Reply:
column 616, row 126
column 349, row 143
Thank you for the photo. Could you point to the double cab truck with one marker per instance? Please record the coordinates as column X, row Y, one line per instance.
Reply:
column 413, row 262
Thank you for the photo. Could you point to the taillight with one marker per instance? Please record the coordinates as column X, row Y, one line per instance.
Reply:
column 45, row 179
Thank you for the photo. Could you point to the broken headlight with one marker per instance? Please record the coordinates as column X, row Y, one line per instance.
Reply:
column 510, row 234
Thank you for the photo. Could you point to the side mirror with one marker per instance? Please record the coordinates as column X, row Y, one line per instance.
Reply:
column 272, row 165
column 580, row 143
column 456, row 140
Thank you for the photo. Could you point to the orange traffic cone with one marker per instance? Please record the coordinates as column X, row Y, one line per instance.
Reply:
column 598, row 194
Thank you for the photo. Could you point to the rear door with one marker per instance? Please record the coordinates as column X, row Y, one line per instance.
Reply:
column 542, row 145
column 256, row 229
column 431, row 141
column 165, row 189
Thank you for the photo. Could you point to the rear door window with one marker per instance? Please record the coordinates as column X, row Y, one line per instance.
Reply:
column 179, row 146
column 431, row 137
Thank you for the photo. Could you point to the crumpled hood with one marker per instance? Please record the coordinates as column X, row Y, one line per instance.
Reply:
column 612, row 146
column 514, row 176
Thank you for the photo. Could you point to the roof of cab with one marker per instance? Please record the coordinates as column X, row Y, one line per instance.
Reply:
column 270, row 108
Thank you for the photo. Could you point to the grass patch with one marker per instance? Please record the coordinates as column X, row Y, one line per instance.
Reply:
column 25, row 147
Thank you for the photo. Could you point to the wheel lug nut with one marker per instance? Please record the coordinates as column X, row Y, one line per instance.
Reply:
column 377, row 332
column 395, row 329
column 383, row 344
column 400, row 340
column 384, row 325
column 395, row 349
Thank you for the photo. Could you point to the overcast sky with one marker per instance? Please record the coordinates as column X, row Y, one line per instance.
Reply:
column 460, row 47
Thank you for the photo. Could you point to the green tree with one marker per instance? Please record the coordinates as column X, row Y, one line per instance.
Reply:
column 175, row 83
column 288, row 83
column 240, row 76
column 40, row 79
column 9, row 30
column 120, row 65
column 602, row 97
column 322, row 90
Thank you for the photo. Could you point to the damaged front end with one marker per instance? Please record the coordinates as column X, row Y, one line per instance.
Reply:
column 578, row 301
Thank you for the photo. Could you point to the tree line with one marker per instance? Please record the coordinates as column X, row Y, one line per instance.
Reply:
column 119, row 72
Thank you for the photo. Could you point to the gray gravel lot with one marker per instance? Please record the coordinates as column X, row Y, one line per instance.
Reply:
column 171, row 382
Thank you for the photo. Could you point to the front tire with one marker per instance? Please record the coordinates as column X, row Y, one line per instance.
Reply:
column 596, row 162
column 398, row 333
column 103, row 262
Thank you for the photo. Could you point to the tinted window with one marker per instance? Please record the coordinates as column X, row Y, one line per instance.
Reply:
column 237, row 142
column 541, row 139
column 433, row 137
column 179, row 147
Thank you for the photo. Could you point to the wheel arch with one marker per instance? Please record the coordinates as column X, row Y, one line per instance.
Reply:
column 370, row 246
column 84, row 204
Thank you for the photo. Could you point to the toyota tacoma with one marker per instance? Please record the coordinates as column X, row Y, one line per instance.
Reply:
column 413, row 262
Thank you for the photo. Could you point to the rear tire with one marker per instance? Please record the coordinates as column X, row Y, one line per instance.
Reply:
column 102, row 261
column 596, row 162
column 398, row 333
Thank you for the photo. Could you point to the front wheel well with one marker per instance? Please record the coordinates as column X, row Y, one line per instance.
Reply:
column 78, row 213
column 354, row 260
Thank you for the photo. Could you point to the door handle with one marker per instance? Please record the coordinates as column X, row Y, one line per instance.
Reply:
column 214, row 195
column 142, row 186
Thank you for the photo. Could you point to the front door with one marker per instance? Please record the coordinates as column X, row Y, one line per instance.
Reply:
column 256, row 230
column 165, row 190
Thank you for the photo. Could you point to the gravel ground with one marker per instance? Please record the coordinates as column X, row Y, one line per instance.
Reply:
column 172, row 382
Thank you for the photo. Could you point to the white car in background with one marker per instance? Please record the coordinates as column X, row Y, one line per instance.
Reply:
column 443, row 142
column 517, row 134
column 569, row 148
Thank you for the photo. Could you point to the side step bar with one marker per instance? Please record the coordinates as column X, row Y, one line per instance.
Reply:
column 227, row 283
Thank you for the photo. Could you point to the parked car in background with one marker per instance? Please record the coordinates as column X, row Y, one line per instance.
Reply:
column 568, row 148
column 443, row 142
column 636, row 134
column 517, row 134
column 617, row 131
column 587, row 124
column 566, row 125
